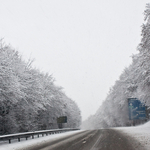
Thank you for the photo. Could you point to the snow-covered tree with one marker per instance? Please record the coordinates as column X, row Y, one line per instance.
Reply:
column 29, row 99
column 134, row 82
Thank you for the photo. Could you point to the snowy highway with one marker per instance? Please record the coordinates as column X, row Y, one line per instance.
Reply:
column 104, row 139
column 121, row 138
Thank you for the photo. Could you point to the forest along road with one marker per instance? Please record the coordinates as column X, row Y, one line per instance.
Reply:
column 103, row 139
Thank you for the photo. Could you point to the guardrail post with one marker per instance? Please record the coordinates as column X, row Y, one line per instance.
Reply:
column 32, row 136
column 9, row 141
column 18, row 139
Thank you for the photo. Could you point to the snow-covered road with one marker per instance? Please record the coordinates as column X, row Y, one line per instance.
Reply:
column 139, row 136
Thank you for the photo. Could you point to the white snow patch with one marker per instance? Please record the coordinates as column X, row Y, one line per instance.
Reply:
column 36, row 141
column 141, row 133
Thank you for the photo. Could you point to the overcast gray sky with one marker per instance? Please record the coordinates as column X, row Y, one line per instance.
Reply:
column 85, row 44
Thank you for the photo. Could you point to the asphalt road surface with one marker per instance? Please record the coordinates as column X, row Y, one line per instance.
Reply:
column 104, row 139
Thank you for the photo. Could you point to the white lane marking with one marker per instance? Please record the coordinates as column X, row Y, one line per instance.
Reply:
column 93, row 147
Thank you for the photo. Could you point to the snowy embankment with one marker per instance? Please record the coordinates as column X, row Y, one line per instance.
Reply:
column 24, row 145
column 140, row 133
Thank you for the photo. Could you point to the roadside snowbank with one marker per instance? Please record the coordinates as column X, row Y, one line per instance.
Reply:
column 37, row 141
column 141, row 133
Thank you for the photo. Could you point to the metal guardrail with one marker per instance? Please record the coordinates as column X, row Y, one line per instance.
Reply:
column 26, row 135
